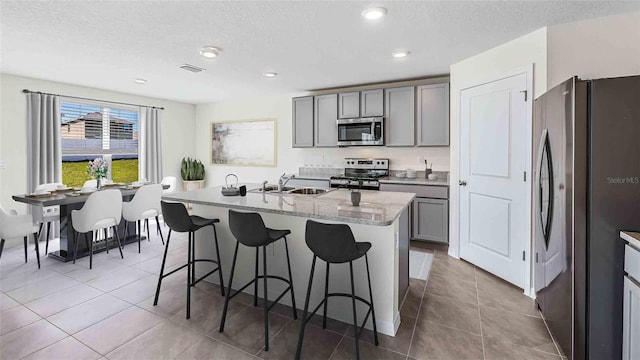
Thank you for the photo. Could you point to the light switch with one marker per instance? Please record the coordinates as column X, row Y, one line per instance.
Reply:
column 3, row 164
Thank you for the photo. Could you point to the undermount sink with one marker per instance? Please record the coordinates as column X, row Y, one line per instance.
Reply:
column 271, row 189
column 308, row 191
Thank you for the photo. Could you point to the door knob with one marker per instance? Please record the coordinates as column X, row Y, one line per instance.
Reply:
column 462, row 183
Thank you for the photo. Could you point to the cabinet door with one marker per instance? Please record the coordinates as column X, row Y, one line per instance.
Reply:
column 302, row 117
column 431, row 219
column 400, row 116
column 433, row 115
column 325, row 119
column 372, row 103
column 349, row 105
column 631, row 320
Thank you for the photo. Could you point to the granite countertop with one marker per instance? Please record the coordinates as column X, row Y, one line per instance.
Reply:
column 632, row 237
column 380, row 208
column 312, row 177
column 442, row 180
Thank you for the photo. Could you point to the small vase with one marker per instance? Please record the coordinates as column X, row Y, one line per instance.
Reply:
column 355, row 198
column 99, row 183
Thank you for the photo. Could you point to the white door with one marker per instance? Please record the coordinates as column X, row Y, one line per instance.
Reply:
column 493, row 190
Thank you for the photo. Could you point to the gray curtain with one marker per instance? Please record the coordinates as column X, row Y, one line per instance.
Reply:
column 150, row 145
column 44, row 151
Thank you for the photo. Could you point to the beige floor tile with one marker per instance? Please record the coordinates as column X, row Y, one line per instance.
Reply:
column 170, row 302
column 62, row 300
column 206, row 312
column 245, row 330
column 29, row 339
column 398, row 343
column 164, row 341
column 462, row 290
column 7, row 302
column 498, row 350
column 347, row 350
column 450, row 312
column 15, row 318
column 451, row 267
column 118, row 329
column 67, row 349
column 88, row 313
column 114, row 280
column 318, row 343
column 498, row 294
column 413, row 298
column 433, row 341
column 205, row 347
column 515, row 328
column 42, row 288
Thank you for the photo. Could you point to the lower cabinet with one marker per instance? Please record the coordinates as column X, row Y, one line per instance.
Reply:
column 430, row 219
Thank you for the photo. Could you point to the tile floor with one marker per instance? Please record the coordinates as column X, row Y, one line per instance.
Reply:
column 66, row 311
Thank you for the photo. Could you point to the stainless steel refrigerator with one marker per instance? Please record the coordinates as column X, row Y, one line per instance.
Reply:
column 587, row 188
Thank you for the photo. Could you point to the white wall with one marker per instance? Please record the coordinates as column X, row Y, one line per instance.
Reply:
column 595, row 48
column 178, row 128
column 523, row 51
column 289, row 159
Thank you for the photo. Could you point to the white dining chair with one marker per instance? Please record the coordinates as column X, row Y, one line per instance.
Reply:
column 102, row 210
column 171, row 181
column 13, row 225
column 46, row 215
column 144, row 205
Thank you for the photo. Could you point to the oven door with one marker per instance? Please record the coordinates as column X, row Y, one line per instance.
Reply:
column 365, row 131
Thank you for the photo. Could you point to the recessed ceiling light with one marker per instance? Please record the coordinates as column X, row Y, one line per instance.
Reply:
column 210, row 52
column 140, row 81
column 270, row 74
column 400, row 53
column 374, row 13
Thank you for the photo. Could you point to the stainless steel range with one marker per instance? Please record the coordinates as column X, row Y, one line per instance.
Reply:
column 367, row 170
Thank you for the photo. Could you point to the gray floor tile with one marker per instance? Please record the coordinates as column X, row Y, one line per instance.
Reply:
column 450, row 312
column 398, row 343
column 433, row 341
column 62, row 300
column 318, row 343
column 29, row 339
column 15, row 318
column 164, row 341
column 88, row 313
column 510, row 297
column 498, row 350
column 463, row 290
column 206, row 312
column 42, row 288
column 114, row 280
column 205, row 347
column 118, row 329
column 515, row 328
column 347, row 350
column 65, row 349
column 7, row 302
column 24, row 278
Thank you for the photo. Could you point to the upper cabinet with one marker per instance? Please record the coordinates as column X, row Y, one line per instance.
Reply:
column 433, row 115
column 349, row 105
column 303, row 121
column 399, row 104
column 372, row 103
column 325, row 119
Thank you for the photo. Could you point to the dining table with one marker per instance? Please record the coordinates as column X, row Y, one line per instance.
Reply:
column 73, row 199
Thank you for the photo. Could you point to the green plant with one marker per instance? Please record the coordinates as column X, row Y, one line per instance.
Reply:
column 192, row 170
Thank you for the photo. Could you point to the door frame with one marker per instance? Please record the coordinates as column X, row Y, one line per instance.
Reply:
column 527, row 70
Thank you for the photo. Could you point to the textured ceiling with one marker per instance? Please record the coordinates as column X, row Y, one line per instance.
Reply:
column 310, row 44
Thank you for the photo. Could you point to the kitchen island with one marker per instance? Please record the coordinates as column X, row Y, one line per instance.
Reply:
column 382, row 219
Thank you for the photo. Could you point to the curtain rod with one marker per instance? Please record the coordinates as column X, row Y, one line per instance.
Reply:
column 83, row 98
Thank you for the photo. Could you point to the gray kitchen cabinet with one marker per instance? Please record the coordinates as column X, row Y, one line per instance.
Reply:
column 400, row 116
column 631, row 304
column 372, row 103
column 325, row 120
column 302, row 121
column 349, row 105
column 431, row 219
column 433, row 115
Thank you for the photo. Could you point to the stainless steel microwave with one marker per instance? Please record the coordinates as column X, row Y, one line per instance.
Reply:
column 362, row 131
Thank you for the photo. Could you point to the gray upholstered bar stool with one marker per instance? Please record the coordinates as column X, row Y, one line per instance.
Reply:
column 249, row 229
column 335, row 244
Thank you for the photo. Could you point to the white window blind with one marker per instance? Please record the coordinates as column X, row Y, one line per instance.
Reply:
column 90, row 130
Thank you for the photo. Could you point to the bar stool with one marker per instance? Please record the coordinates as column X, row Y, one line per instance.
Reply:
column 179, row 220
column 249, row 229
column 335, row 244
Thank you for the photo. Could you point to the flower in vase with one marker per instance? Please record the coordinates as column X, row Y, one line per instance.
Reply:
column 97, row 168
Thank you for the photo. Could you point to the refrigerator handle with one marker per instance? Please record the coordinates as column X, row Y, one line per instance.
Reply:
column 545, row 153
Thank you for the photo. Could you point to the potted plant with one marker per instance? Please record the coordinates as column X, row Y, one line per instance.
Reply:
column 356, row 195
column 192, row 173
column 98, row 169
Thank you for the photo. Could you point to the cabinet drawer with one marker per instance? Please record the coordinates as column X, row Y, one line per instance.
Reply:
column 632, row 262
column 436, row 192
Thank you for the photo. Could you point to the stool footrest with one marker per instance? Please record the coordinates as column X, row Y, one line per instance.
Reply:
column 262, row 277
column 205, row 275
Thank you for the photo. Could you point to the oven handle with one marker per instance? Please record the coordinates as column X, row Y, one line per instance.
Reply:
column 372, row 120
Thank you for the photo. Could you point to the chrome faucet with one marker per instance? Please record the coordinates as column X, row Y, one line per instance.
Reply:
column 284, row 179
column 264, row 186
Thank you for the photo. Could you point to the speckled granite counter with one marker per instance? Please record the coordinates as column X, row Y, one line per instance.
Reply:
column 442, row 180
column 632, row 237
column 376, row 207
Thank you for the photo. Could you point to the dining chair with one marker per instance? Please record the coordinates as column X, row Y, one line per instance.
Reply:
column 13, row 225
column 46, row 215
column 171, row 181
column 144, row 205
column 102, row 210
column 90, row 184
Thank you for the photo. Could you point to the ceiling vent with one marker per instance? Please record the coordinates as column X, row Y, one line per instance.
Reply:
column 192, row 68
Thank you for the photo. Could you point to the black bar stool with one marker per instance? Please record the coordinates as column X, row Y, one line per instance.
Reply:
column 249, row 229
column 179, row 220
column 335, row 244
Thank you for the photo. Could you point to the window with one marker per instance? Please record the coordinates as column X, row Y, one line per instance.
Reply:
column 91, row 130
